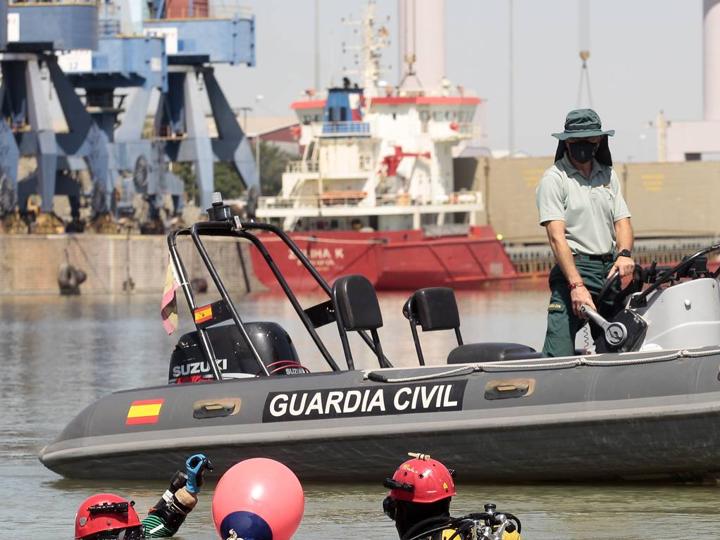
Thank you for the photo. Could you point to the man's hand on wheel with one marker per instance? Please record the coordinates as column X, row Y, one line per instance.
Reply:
column 625, row 266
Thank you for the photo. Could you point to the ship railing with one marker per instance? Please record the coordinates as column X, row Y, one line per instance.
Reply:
column 344, row 129
column 302, row 166
column 229, row 9
column 469, row 198
column 353, row 198
column 329, row 198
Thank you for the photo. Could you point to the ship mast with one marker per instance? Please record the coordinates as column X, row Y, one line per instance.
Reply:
column 369, row 53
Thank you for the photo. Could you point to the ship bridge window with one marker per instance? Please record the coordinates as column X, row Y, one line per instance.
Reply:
column 437, row 116
column 394, row 116
column 424, row 116
column 365, row 162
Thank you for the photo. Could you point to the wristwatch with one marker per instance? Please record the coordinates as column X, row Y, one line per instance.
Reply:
column 624, row 253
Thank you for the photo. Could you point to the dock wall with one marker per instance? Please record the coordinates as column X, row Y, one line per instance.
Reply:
column 666, row 199
column 114, row 264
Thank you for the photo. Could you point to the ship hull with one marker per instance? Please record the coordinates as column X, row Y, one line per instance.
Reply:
column 392, row 260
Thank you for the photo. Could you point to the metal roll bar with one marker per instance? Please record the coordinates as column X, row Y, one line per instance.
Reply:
column 227, row 226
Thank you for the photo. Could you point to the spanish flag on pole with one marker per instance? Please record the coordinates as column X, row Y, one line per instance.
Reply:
column 168, row 304
column 144, row 411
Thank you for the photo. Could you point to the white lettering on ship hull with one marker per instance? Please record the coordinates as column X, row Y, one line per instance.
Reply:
column 405, row 399
column 320, row 257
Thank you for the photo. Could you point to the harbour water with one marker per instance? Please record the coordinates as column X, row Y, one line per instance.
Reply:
column 59, row 354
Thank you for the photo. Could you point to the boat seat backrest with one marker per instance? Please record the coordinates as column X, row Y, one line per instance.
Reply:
column 357, row 309
column 490, row 352
column 432, row 308
column 435, row 308
column 234, row 357
column 356, row 303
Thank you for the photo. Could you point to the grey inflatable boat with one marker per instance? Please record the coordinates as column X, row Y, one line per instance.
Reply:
column 646, row 405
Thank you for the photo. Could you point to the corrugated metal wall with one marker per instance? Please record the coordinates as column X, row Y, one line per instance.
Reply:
column 666, row 199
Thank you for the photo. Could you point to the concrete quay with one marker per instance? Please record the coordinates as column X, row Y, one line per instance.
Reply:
column 114, row 264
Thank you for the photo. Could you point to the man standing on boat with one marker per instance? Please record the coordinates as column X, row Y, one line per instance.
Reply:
column 588, row 224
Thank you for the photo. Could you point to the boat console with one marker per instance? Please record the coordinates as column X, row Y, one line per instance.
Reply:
column 660, row 309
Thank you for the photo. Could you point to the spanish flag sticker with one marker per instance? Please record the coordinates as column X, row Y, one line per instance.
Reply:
column 146, row 411
column 203, row 313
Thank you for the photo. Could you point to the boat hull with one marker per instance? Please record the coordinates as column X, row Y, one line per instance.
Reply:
column 392, row 260
column 645, row 417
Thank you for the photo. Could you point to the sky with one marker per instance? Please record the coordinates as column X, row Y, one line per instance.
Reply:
column 646, row 56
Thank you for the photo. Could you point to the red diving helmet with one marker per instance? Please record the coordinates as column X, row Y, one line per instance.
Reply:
column 105, row 512
column 421, row 480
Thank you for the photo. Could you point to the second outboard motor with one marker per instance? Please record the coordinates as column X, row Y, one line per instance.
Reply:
column 235, row 359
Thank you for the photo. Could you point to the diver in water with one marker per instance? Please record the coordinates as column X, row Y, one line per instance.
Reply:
column 106, row 516
column 419, row 503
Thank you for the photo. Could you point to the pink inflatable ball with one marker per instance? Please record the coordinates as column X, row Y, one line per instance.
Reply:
column 258, row 499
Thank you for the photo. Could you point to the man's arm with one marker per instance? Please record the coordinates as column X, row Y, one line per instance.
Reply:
column 624, row 240
column 579, row 294
column 166, row 517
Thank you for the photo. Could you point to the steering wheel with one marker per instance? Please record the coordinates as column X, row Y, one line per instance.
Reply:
column 618, row 301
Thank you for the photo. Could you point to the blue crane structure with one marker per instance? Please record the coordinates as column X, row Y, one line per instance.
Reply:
column 104, row 135
column 193, row 46
column 34, row 32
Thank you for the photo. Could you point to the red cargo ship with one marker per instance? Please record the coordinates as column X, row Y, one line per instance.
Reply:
column 392, row 260
column 376, row 173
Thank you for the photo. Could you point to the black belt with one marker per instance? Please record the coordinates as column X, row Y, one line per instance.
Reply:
column 605, row 257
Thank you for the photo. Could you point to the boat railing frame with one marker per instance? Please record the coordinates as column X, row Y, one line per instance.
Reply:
column 235, row 228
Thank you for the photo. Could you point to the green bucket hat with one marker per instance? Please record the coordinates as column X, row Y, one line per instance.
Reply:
column 582, row 123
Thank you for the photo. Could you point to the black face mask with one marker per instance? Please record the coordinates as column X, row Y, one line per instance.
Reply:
column 582, row 151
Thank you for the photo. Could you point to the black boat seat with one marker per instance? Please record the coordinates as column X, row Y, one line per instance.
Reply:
column 435, row 308
column 234, row 357
column 490, row 352
column 357, row 309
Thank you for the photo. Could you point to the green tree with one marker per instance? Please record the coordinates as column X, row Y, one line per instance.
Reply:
column 273, row 161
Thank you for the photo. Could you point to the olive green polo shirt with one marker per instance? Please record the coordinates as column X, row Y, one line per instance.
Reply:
column 589, row 207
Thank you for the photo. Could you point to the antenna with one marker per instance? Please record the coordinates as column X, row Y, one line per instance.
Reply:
column 368, row 54
column 584, row 42
column 511, row 82
column 316, row 78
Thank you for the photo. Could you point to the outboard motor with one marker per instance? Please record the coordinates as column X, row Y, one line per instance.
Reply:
column 234, row 358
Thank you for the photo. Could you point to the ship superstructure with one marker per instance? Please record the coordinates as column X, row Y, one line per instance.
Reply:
column 377, row 156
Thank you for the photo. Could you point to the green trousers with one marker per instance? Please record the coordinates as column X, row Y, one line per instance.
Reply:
column 563, row 324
